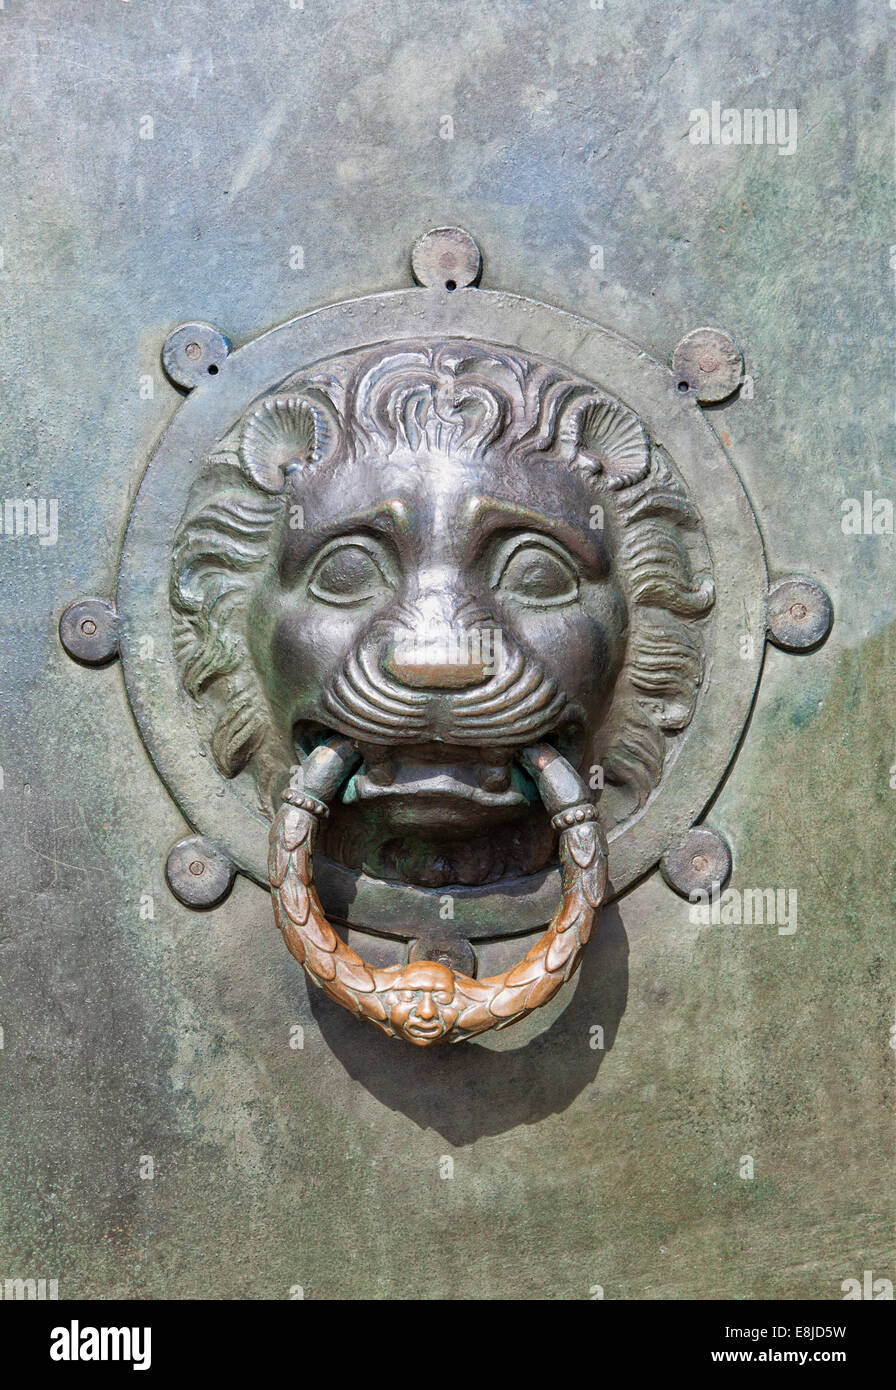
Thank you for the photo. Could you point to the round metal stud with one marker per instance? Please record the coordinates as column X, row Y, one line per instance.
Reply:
column 708, row 364
column 699, row 861
column 198, row 872
column 453, row 951
column 800, row 614
column 88, row 630
column 193, row 353
column 446, row 258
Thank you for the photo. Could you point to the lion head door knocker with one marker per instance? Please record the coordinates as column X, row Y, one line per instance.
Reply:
column 455, row 599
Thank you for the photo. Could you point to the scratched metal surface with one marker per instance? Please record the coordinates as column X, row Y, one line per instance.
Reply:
column 168, row 1036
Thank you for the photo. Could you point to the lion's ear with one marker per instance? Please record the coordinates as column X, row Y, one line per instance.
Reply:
column 284, row 434
column 606, row 438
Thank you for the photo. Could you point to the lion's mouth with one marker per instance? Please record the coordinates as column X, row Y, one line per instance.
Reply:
column 427, row 774
column 432, row 772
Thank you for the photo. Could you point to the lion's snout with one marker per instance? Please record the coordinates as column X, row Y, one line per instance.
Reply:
column 444, row 657
column 459, row 684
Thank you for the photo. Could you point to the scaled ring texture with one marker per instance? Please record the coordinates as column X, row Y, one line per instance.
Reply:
column 225, row 810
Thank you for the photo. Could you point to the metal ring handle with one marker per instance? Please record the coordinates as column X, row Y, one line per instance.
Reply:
column 426, row 1002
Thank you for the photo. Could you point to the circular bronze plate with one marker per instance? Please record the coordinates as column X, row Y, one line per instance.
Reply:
column 697, row 758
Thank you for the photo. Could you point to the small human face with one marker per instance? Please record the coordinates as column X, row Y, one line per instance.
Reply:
column 422, row 1008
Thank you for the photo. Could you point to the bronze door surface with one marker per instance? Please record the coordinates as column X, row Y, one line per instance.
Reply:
column 447, row 498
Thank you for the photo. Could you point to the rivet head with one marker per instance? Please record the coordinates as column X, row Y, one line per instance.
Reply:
column 698, row 861
column 194, row 353
column 799, row 614
column 708, row 364
column 447, row 258
column 199, row 873
column 88, row 630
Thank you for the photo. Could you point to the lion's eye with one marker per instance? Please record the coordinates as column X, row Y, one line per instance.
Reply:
column 349, row 572
column 537, row 573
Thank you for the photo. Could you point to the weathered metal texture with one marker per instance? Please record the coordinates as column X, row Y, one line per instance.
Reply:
column 607, row 1148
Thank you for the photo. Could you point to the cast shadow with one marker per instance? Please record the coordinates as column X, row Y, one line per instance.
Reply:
column 466, row 1091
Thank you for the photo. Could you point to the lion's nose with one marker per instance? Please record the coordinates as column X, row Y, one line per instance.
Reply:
column 448, row 660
